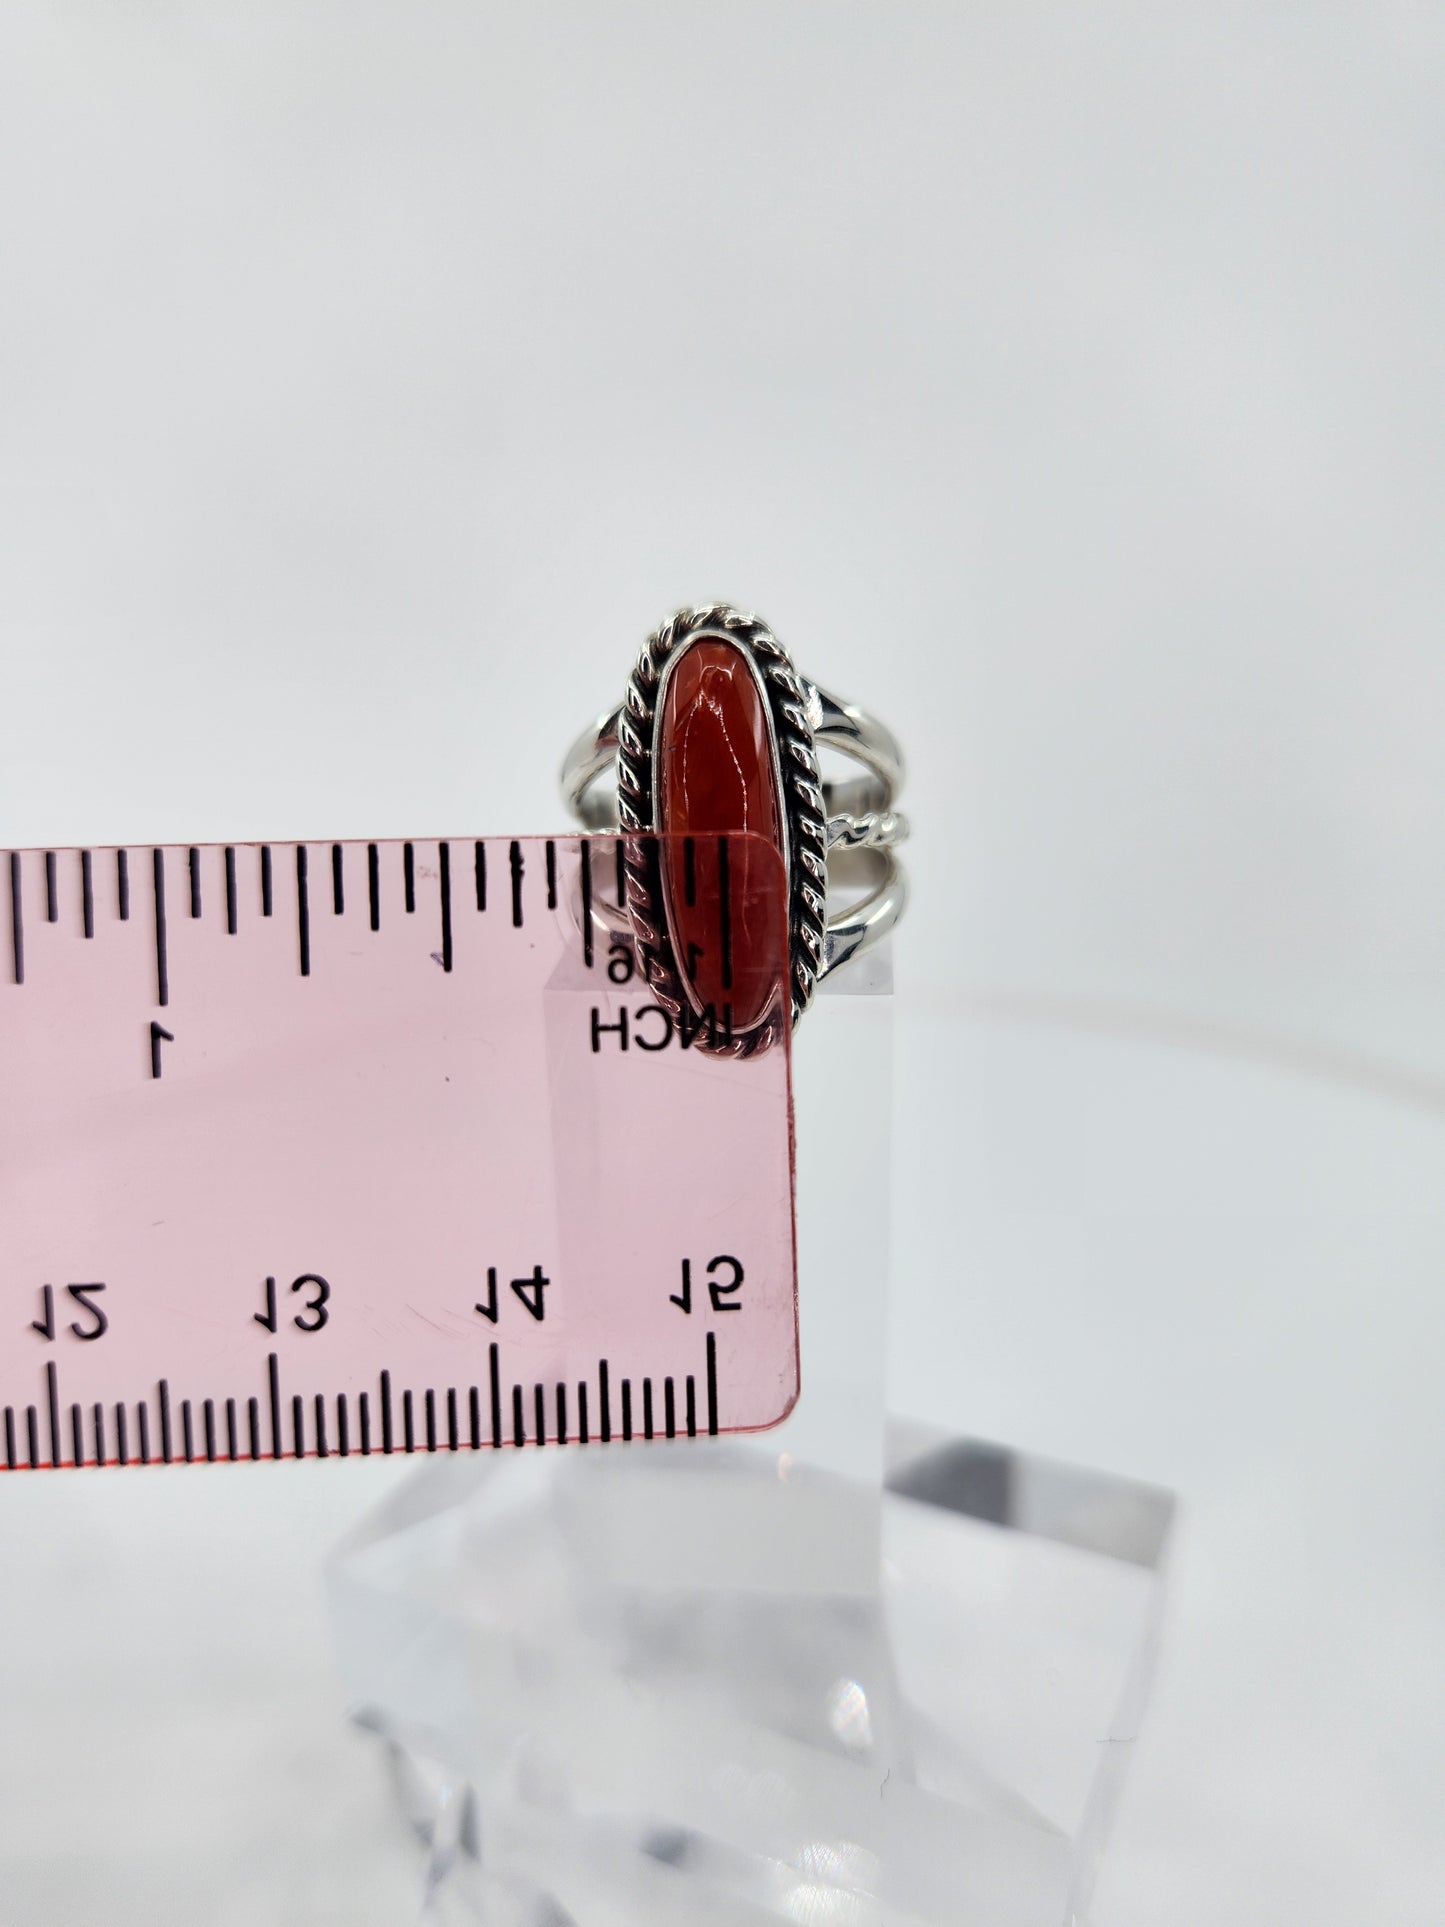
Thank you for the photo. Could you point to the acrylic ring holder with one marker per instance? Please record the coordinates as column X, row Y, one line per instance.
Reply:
column 847, row 1669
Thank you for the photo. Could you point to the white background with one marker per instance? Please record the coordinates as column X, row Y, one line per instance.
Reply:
column 1068, row 386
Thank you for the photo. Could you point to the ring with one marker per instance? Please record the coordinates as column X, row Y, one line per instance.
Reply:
column 718, row 735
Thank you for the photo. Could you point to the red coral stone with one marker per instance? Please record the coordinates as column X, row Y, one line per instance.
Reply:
column 716, row 776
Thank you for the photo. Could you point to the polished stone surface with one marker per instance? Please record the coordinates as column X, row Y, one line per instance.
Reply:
column 716, row 777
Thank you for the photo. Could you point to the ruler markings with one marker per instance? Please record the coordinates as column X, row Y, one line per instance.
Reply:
column 323, row 1444
column 586, row 866
column 193, row 856
column 17, row 920
column 386, row 1434
column 444, row 853
column 408, row 871
column 461, row 1426
column 303, row 910
column 619, row 860
column 122, row 885
column 52, row 1397
column 143, row 1431
column 201, row 1437
column 158, row 879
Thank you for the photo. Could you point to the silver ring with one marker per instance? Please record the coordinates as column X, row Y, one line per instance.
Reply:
column 837, row 836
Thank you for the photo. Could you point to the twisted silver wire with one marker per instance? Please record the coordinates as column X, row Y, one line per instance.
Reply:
column 878, row 830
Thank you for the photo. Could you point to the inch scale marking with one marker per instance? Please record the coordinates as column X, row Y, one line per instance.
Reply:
column 354, row 1148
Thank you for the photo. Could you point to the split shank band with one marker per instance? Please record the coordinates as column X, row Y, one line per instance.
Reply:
column 838, row 836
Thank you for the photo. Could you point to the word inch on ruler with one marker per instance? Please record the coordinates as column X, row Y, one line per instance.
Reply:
column 335, row 1148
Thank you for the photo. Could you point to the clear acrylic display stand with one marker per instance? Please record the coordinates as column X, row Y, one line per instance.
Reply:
column 847, row 1670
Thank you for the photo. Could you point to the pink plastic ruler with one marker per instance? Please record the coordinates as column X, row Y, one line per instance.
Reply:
column 371, row 1147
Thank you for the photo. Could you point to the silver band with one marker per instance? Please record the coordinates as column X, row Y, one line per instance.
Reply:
column 843, row 831
column 840, row 727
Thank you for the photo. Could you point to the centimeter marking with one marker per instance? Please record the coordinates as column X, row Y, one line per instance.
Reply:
column 276, row 1421
column 295, row 1424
